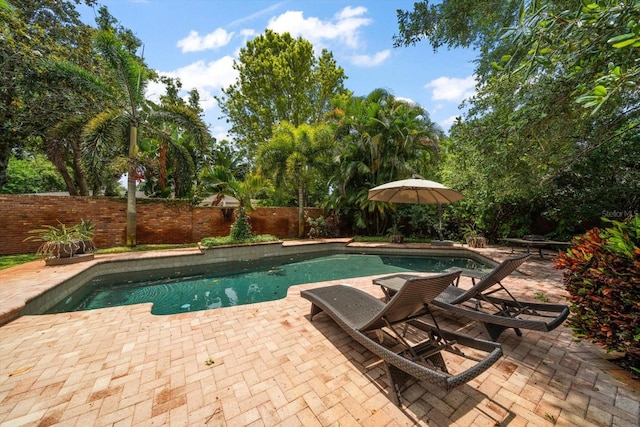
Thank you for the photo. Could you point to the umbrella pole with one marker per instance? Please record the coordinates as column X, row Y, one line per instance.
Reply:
column 440, row 222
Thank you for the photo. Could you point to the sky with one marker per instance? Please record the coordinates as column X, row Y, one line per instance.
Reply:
column 197, row 41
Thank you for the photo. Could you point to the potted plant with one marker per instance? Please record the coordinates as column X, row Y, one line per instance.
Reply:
column 86, row 233
column 474, row 237
column 63, row 244
column 394, row 234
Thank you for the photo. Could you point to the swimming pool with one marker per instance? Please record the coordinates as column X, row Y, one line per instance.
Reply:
column 190, row 289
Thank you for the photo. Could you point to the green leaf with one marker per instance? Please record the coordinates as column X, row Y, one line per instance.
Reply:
column 626, row 43
column 621, row 37
column 600, row 90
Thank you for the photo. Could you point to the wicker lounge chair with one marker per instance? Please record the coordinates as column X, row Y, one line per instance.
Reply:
column 364, row 317
column 479, row 303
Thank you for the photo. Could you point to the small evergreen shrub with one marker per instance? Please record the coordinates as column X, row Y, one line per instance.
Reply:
column 241, row 229
column 602, row 276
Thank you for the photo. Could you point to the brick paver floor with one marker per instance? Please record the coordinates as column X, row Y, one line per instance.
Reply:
column 266, row 364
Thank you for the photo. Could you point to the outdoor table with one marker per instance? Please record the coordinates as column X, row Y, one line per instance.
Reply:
column 539, row 244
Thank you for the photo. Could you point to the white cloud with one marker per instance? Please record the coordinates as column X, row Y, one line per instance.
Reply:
column 154, row 90
column 452, row 89
column 208, row 77
column 448, row 122
column 370, row 60
column 194, row 42
column 407, row 100
column 344, row 27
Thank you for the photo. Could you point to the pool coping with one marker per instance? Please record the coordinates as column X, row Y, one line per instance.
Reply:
column 31, row 290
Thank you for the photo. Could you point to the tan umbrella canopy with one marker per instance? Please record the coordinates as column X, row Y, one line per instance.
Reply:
column 416, row 190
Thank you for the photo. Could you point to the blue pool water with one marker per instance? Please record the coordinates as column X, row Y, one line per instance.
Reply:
column 172, row 292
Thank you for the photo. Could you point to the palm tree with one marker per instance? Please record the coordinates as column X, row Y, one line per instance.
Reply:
column 291, row 157
column 380, row 139
column 127, row 115
column 220, row 179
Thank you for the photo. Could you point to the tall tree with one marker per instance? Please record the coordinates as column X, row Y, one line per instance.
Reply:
column 293, row 157
column 379, row 139
column 279, row 79
column 172, row 164
column 128, row 116
column 31, row 30
column 459, row 24
column 551, row 59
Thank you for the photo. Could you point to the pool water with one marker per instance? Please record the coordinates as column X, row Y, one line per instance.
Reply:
column 266, row 282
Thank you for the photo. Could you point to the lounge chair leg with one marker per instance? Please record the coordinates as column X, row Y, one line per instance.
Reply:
column 438, row 361
column 398, row 379
column 314, row 310
column 494, row 330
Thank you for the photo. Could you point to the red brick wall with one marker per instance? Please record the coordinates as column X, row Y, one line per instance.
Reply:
column 159, row 221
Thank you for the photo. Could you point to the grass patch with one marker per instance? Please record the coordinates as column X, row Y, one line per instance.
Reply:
column 8, row 261
column 209, row 242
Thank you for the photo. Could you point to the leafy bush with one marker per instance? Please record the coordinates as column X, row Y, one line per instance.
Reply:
column 603, row 279
column 210, row 242
column 241, row 229
column 64, row 241
column 321, row 227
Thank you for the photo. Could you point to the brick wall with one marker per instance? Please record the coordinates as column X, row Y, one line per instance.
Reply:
column 158, row 221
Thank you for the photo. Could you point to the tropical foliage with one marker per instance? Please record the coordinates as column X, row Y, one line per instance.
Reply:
column 218, row 179
column 294, row 158
column 379, row 139
column 127, row 117
column 602, row 275
column 64, row 241
column 30, row 31
column 32, row 174
column 549, row 144
column 564, row 150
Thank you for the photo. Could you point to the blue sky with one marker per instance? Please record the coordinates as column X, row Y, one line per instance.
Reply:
column 197, row 41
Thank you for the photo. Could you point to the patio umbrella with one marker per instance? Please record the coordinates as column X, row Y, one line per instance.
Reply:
column 416, row 190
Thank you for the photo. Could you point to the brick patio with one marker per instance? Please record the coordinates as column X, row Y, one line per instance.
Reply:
column 266, row 364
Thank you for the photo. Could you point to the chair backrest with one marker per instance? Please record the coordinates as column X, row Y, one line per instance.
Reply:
column 503, row 269
column 411, row 299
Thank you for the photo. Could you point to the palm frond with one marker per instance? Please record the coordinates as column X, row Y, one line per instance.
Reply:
column 129, row 71
column 101, row 137
column 74, row 76
column 184, row 118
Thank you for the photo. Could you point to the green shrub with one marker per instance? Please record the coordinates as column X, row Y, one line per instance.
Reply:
column 602, row 276
column 210, row 242
column 241, row 229
column 321, row 226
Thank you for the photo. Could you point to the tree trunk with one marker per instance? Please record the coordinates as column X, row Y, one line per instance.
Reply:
column 57, row 154
column 300, row 211
column 162, row 173
column 81, row 178
column 131, row 187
